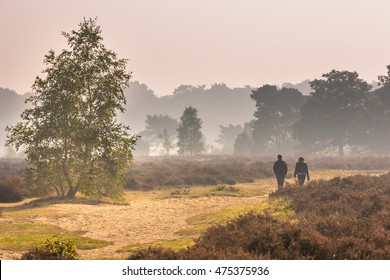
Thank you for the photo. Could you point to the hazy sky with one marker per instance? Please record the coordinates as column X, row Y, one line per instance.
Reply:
column 174, row 42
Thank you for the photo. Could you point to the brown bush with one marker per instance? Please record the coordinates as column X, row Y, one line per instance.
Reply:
column 210, row 170
column 11, row 190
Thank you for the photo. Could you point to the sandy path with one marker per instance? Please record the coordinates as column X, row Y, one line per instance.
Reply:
column 140, row 221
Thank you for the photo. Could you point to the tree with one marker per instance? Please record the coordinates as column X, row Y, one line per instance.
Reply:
column 332, row 116
column 190, row 137
column 276, row 111
column 227, row 136
column 243, row 145
column 166, row 141
column 376, row 124
column 70, row 134
column 154, row 131
column 155, row 125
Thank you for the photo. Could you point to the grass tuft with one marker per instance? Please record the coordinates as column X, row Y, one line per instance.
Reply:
column 176, row 244
column 21, row 237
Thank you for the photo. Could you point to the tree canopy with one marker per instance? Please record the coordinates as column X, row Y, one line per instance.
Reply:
column 276, row 110
column 72, row 140
column 190, row 137
column 332, row 116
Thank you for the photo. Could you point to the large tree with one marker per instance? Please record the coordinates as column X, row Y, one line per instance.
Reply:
column 72, row 140
column 190, row 137
column 333, row 115
column 276, row 110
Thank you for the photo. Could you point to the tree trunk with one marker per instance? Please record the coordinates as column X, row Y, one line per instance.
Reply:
column 71, row 193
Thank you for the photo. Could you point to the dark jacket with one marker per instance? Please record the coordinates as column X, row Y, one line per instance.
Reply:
column 301, row 168
column 280, row 168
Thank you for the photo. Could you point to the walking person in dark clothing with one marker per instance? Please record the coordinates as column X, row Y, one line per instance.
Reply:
column 280, row 170
column 301, row 171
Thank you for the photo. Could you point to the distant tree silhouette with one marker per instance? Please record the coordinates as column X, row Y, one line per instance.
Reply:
column 243, row 145
column 154, row 134
column 276, row 111
column 332, row 116
column 167, row 141
column 190, row 137
column 228, row 135
column 376, row 123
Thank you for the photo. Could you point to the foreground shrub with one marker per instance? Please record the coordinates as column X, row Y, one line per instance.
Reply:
column 53, row 250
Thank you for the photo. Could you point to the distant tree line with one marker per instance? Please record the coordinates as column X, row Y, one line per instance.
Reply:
column 342, row 114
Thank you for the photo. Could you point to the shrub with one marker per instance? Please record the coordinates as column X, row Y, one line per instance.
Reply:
column 11, row 190
column 210, row 170
column 53, row 250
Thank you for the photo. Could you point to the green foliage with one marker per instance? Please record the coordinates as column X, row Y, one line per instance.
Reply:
column 70, row 134
column 190, row 137
column 53, row 250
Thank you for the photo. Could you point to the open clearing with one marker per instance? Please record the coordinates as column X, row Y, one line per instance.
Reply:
column 143, row 218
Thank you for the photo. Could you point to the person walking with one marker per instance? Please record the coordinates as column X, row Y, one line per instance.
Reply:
column 280, row 170
column 301, row 171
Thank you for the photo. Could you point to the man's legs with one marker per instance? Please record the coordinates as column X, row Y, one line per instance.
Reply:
column 280, row 180
column 301, row 179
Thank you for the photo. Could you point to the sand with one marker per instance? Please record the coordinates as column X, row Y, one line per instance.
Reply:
column 138, row 221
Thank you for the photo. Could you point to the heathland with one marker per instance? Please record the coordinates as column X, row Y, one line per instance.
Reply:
column 210, row 208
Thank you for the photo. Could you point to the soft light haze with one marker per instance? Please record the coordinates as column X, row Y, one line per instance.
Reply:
column 174, row 42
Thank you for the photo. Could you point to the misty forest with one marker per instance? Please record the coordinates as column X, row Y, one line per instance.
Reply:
column 95, row 165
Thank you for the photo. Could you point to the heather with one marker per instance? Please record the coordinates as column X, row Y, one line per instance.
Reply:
column 340, row 219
